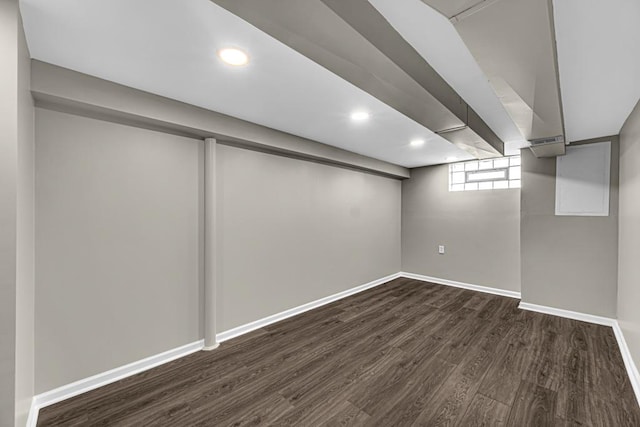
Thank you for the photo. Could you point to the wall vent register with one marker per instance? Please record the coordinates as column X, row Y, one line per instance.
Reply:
column 489, row 174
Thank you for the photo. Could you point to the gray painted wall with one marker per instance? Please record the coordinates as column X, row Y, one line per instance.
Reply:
column 568, row 262
column 16, row 221
column 25, row 286
column 629, row 234
column 293, row 231
column 9, row 55
column 117, row 245
column 65, row 90
column 480, row 230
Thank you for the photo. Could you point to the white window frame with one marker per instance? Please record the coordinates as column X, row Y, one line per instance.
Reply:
column 462, row 174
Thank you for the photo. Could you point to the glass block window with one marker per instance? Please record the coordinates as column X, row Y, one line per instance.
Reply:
column 490, row 174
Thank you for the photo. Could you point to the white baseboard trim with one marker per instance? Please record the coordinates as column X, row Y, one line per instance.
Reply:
column 447, row 282
column 260, row 323
column 32, row 419
column 212, row 347
column 99, row 380
column 590, row 318
column 632, row 369
column 630, row 366
column 67, row 391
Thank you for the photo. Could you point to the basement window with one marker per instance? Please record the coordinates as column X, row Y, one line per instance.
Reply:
column 489, row 174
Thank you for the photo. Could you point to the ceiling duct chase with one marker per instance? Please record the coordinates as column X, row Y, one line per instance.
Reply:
column 353, row 40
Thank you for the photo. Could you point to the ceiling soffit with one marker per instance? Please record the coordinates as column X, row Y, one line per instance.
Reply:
column 513, row 42
column 354, row 41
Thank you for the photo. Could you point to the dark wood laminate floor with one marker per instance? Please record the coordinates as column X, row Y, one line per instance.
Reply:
column 405, row 353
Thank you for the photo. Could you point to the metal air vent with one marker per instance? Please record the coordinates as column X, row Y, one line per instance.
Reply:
column 548, row 147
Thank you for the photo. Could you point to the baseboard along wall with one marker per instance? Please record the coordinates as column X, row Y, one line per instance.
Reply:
column 243, row 329
column 70, row 390
column 589, row 318
column 82, row 386
column 87, row 384
column 632, row 370
column 455, row 284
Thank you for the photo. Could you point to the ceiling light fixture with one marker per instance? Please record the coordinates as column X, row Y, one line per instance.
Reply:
column 417, row 143
column 451, row 159
column 233, row 56
column 359, row 116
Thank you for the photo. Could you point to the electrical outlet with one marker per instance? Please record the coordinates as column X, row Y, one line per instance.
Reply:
column 441, row 249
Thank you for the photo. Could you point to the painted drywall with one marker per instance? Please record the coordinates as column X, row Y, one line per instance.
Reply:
column 25, row 286
column 117, row 245
column 66, row 90
column 480, row 231
column 568, row 262
column 118, row 273
column 629, row 234
column 9, row 55
column 293, row 231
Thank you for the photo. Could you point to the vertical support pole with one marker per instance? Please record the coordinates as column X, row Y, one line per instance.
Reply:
column 210, row 253
column 9, row 178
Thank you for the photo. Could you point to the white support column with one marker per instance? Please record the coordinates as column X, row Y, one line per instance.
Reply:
column 210, row 253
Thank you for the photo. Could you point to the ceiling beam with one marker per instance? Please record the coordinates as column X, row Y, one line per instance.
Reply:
column 68, row 91
column 355, row 42
column 514, row 43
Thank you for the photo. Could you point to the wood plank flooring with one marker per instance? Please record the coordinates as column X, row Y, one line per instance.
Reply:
column 405, row 353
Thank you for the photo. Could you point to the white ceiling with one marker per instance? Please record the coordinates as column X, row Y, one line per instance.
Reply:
column 599, row 62
column 167, row 47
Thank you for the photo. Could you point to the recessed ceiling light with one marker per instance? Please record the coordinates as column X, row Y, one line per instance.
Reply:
column 233, row 56
column 359, row 116
column 451, row 159
column 417, row 143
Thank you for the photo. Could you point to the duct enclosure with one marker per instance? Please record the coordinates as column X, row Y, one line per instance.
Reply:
column 353, row 40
